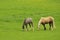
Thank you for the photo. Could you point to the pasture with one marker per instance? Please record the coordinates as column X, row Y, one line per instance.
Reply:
column 13, row 12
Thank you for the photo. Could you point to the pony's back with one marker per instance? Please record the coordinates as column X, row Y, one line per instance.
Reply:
column 46, row 19
column 28, row 20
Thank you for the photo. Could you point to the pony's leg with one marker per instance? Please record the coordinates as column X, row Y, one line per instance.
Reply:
column 50, row 26
column 26, row 27
column 44, row 26
column 29, row 24
column 32, row 27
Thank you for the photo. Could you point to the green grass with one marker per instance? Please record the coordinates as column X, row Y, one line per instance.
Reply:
column 13, row 12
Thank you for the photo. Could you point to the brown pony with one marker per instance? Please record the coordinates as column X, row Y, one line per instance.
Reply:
column 46, row 20
column 27, row 21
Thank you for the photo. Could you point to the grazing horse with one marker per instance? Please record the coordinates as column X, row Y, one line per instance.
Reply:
column 27, row 21
column 46, row 20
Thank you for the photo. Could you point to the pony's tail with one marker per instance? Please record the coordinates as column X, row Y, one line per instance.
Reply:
column 54, row 24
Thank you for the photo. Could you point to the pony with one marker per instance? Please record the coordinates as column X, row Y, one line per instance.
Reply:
column 47, row 20
column 27, row 21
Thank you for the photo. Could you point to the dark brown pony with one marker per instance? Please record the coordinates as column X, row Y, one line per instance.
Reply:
column 27, row 21
column 46, row 20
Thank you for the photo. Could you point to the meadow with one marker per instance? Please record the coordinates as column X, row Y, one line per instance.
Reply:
column 13, row 12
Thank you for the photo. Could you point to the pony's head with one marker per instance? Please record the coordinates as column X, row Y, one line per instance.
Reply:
column 23, row 27
column 39, row 23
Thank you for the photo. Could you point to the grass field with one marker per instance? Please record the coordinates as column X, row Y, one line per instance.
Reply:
column 13, row 12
